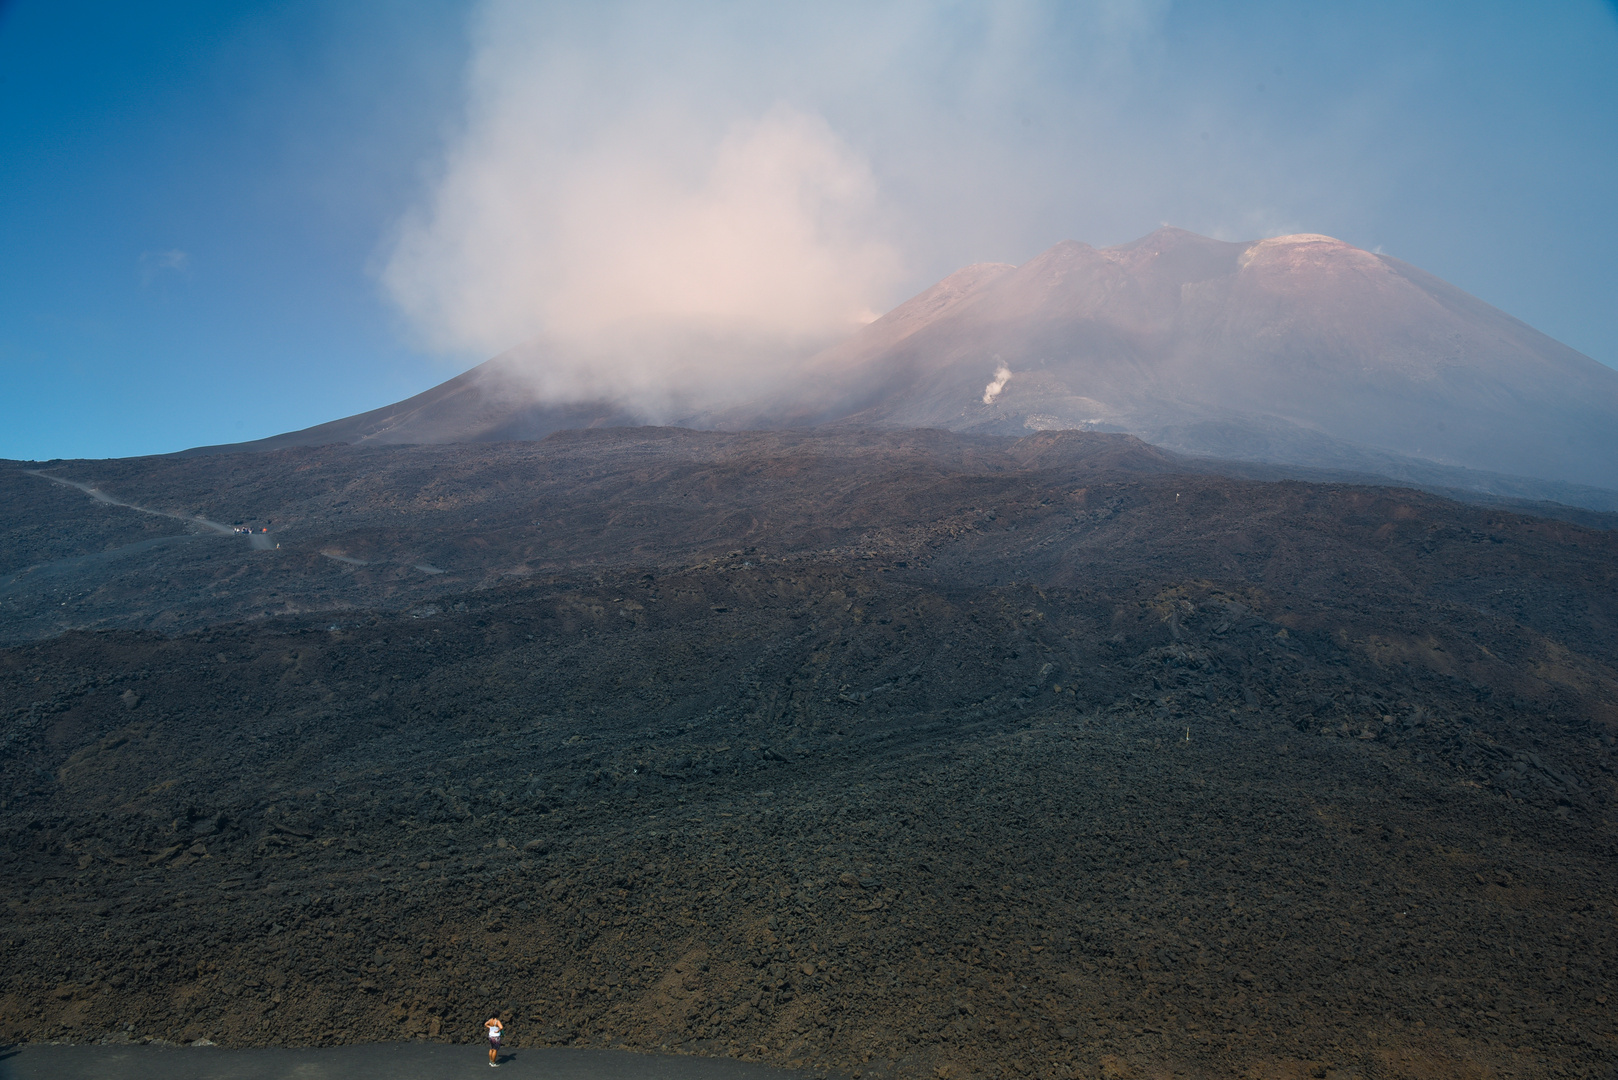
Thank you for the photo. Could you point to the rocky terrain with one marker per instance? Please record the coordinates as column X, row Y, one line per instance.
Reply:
column 903, row 754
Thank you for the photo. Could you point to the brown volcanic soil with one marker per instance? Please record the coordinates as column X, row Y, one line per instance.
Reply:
column 906, row 754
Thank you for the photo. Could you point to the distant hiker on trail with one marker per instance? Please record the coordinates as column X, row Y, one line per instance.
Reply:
column 494, row 1026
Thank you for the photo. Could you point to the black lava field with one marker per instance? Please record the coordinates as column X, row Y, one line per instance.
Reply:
column 886, row 755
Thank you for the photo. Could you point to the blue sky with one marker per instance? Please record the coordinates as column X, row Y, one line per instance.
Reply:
column 223, row 221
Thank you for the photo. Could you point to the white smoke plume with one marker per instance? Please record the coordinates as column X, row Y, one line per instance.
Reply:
column 671, row 205
column 636, row 250
column 1002, row 375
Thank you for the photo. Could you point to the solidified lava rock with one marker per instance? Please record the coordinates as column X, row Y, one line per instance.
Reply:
column 946, row 763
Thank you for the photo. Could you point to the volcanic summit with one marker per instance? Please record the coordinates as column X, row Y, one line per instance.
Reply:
column 1299, row 350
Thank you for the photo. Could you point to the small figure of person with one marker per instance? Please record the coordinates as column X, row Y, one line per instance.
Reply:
column 495, row 1027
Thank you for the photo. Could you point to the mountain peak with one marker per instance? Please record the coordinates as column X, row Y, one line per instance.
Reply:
column 1298, row 349
column 1305, row 238
column 1167, row 234
column 1298, row 252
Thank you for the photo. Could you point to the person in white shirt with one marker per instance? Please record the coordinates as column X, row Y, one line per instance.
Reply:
column 494, row 1027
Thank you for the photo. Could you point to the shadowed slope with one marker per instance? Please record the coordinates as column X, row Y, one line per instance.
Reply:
column 926, row 755
column 485, row 404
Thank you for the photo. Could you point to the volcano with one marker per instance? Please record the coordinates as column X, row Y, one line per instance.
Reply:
column 857, row 746
column 1298, row 350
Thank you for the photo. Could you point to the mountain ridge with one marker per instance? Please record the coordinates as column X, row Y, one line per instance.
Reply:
column 1293, row 350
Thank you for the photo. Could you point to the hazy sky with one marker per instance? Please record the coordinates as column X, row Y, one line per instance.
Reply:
column 223, row 221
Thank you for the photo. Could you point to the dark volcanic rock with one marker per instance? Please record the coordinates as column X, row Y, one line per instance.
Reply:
column 911, row 755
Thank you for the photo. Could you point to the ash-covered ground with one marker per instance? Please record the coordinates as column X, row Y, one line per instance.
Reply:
column 898, row 754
